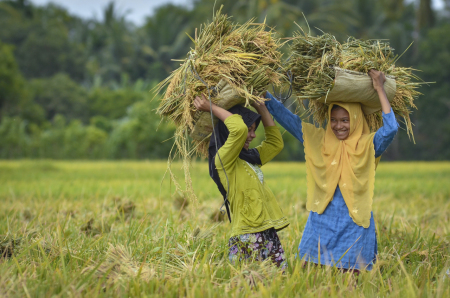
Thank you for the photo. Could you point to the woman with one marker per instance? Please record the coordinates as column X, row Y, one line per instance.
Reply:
column 340, row 162
column 255, row 214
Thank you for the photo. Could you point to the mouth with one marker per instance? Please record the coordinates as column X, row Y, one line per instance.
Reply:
column 247, row 144
column 340, row 133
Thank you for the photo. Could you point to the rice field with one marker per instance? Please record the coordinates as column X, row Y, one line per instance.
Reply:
column 118, row 229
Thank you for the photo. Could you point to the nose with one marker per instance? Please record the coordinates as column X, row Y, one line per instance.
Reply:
column 253, row 134
column 339, row 125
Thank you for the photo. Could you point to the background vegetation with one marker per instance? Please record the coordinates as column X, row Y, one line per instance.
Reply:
column 74, row 88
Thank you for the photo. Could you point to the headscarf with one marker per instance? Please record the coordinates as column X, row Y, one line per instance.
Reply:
column 219, row 137
column 349, row 163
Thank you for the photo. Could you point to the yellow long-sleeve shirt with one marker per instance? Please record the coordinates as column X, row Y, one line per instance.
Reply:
column 253, row 206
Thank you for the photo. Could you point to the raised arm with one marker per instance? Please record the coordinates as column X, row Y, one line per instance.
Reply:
column 289, row 121
column 385, row 134
column 273, row 143
column 203, row 104
column 229, row 152
column 378, row 80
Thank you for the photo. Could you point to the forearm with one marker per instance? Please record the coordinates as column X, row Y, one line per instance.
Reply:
column 385, row 134
column 202, row 104
column 378, row 80
column 272, row 145
column 385, row 105
column 266, row 118
column 289, row 121
column 220, row 113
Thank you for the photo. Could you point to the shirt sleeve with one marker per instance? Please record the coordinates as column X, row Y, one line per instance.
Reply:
column 229, row 152
column 385, row 134
column 289, row 121
column 272, row 145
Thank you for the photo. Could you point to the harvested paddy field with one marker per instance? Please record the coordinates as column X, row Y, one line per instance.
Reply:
column 117, row 229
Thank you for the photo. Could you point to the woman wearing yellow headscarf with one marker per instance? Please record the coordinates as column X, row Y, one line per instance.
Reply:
column 340, row 165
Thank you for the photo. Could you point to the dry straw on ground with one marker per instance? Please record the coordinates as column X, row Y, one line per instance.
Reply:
column 312, row 63
column 245, row 56
column 120, row 264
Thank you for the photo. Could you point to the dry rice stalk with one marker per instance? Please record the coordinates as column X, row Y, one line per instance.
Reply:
column 313, row 59
column 245, row 56
column 119, row 264
column 254, row 273
column 202, row 235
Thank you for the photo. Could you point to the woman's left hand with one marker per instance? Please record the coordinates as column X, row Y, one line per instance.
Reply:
column 258, row 105
column 266, row 118
column 378, row 79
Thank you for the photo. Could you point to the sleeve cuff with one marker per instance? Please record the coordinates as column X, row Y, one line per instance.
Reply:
column 269, row 96
column 384, row 114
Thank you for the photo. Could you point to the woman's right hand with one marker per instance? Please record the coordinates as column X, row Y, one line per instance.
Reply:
column 258, row 105
column 202, row 104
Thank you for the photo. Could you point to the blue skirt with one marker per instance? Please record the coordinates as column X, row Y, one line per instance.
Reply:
column 343, row 243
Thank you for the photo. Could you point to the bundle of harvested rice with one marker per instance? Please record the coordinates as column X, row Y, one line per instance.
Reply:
column 241, row 60
column 245, row 57
column 317, row 61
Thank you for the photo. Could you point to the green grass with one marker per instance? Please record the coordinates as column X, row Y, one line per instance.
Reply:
column 116, row 229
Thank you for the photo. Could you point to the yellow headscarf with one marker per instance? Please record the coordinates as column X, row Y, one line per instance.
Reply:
column 349, row 163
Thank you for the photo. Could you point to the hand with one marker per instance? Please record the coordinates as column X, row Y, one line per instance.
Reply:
column 378, row 79
column 202, row 104
column 266, row 118
column 258, row 105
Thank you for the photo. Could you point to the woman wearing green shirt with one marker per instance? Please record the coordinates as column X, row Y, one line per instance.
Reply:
column 255, row 214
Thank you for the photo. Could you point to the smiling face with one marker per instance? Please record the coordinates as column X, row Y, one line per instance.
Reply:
column 340, row 122
column 250, row 136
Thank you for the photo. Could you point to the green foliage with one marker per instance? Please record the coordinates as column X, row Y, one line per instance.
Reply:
column 96, row 70
column 14, row 138
column 433, row 116
column 164, row 38
column 14, row 96
column 60, row 95
column 42, row 39
column 112, row 104
column 139, row 134
column 134, row 135
column 11, row 81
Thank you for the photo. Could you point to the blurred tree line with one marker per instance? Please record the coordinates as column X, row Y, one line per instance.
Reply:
column 79, row 88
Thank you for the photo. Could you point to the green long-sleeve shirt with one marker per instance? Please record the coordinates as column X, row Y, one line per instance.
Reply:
column 252, row 203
